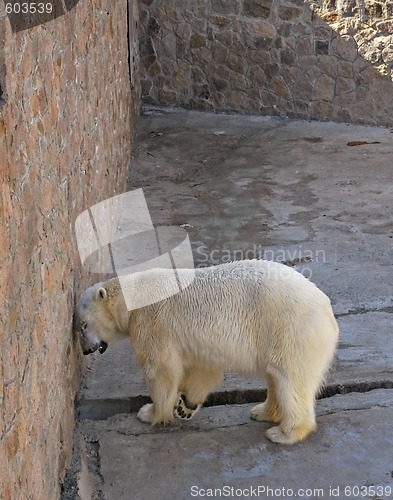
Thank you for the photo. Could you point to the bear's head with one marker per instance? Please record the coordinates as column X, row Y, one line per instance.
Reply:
column 97, row 317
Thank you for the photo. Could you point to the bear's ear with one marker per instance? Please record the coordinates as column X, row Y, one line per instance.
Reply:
column 101, row 294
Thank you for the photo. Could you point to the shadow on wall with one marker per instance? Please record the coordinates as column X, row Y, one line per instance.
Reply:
column 316, row 60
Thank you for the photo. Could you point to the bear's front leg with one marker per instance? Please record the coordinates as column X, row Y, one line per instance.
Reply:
column 163, row 380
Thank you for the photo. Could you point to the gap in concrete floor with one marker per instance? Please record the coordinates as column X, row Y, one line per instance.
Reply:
column 106, row 408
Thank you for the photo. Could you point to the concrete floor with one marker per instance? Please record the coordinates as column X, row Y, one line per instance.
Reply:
column 314, row 195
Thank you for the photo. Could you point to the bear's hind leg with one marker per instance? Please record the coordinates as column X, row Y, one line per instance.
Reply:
column 268, row 411
column 296, row 404
column 194, row 389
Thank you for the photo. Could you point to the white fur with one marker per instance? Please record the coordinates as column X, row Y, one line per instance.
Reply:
column 253, row 316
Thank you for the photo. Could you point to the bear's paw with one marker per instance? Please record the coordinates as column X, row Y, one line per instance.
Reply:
column 184, row 410
column 145, row 413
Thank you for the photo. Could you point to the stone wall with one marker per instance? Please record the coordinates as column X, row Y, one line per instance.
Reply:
column 368, row 22
column 310, row 60
column 66, row 114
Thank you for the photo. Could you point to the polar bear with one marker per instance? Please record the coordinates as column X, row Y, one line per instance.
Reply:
column 255, row 317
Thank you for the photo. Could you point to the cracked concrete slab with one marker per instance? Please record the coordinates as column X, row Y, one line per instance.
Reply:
column 293, row 191
column 223, row 448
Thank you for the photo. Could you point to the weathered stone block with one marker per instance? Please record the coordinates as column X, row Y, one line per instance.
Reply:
column 219, row 84
column 324, row 88
column 287, row 13
column 271, row 70
column 373, row 9
column 284, row 29
column 279, row 43
column 200, row 56
column 197, row 75
column 262, row 28
column 154, row 70
column 288, row 57
column 345, row 69
column 303, row 88
column 182, row 47
column 197, row 41
column 345, row 47
column 238, row 46
column 307, row 62
column 386, row 26
column 343, row 115
column 237, row 63
column 314, row 73
column 200, row 104
column 344, row 85
column 256, row 76
column 291, row 74
column 360, row 65
column 238, row 82
column 219, row 71
column 237, row 99
column 280, row 88
column 225, row 6
column 301, row 108
column 224, row 37
column 389, row 10
column 218, row 101
column 166, row 47
column 257, row 8
column 346, row 8
column 146, row 86
column 387, row 54
column 167, row 96
column 322, row 110
column 268, row 98
column 321, row 47
column 181, row 78
column 153, row 27
column 201, row 91
column 147, row 52
column 260, row 57
column 300, row 29
column 220, row 21
column 182, row 30
column 263, row 42
column 371, row 53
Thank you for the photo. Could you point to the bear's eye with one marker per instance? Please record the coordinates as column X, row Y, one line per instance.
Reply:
column 84, row 327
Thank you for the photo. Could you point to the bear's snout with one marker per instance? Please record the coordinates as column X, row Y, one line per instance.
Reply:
column 101, row 346
column 88, row 351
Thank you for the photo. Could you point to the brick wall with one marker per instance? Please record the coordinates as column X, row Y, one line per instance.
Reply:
column 322, row 59
column 66, row 115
